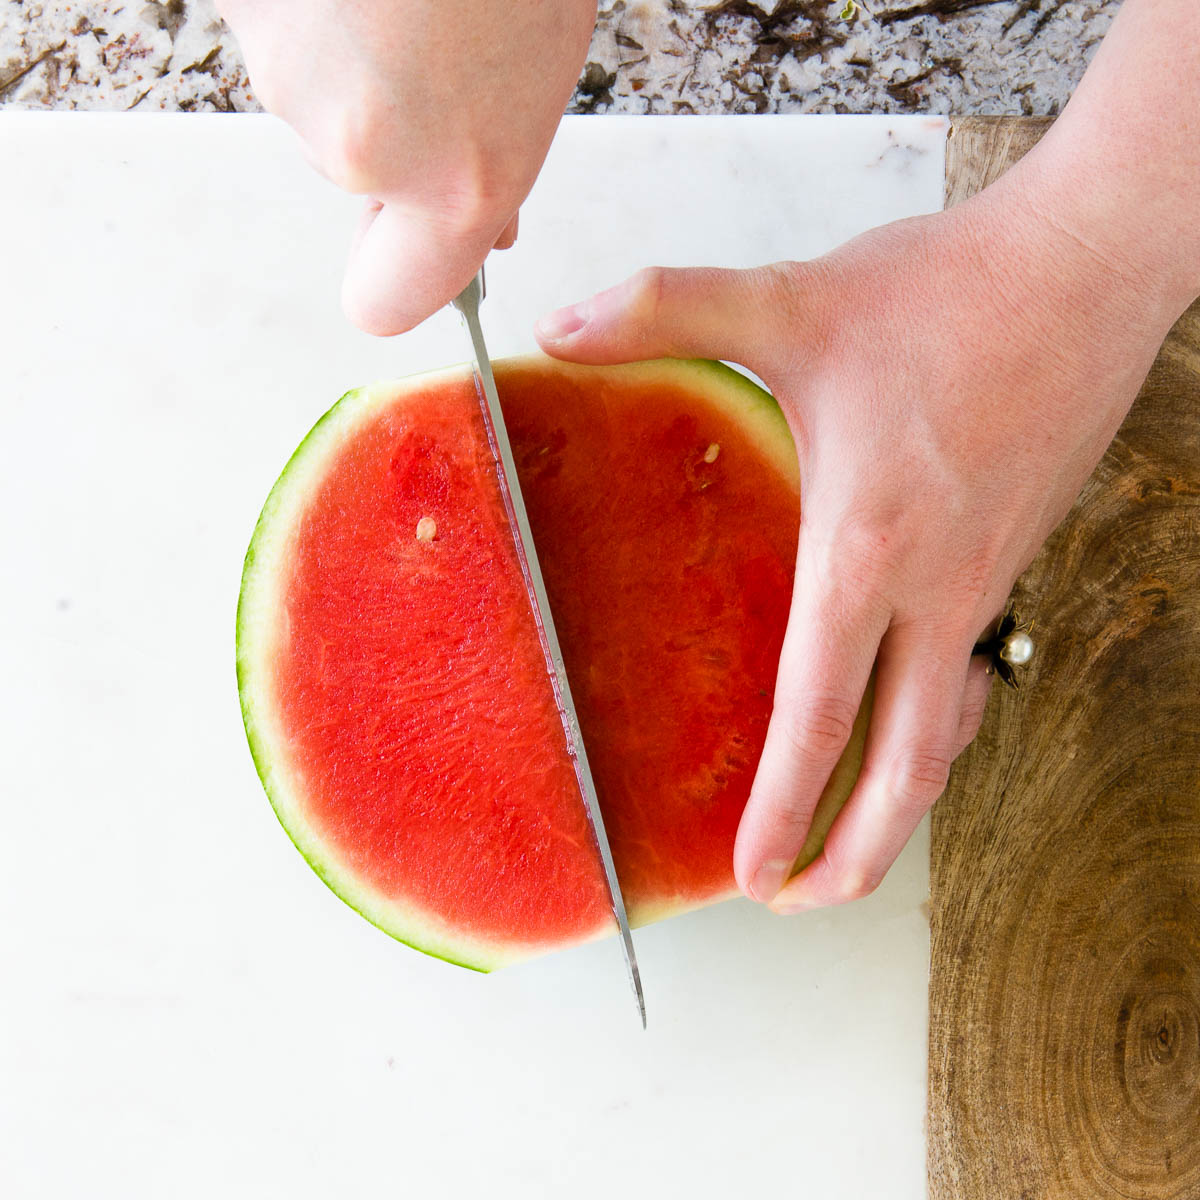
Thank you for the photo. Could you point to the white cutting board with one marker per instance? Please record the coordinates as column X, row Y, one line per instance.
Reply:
column 185, row 1011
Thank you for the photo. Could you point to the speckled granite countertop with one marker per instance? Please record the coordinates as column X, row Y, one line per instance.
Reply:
column 661, row 56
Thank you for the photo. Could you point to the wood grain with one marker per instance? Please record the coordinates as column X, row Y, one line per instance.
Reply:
column 1065, row 987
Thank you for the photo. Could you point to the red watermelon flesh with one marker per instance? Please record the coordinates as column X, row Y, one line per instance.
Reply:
column 393, row 684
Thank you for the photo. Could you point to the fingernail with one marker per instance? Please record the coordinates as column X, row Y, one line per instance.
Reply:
column 555, row 326
column 793, row 899
column 769, row 878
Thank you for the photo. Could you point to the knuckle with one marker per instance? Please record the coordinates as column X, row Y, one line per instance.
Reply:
column 847, row 881
column 478, row 197
column 787, row 286
column 350, row 153
column 791, row 820
column 647, row 293
column 972, row 579
column 819, row 726
column 870, row 548
column 794, row 291
column 786, row 281
column 855, row 885
column 848, row 564
column 919, row 778
column 972, row 716
column 970, row 721
column 469, row 208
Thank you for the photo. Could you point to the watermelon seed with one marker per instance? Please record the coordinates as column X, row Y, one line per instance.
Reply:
column 426, row 529
column 710, row 455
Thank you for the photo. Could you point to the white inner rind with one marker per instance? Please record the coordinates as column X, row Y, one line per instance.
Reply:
column 262, row 609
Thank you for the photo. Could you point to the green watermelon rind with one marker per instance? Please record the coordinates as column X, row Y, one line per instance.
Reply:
column 354, row 406
column 737, row 396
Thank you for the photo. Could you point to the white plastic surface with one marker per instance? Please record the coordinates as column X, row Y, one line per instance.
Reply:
column 185, row 1011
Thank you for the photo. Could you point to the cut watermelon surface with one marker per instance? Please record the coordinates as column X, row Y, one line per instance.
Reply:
column 393, row 686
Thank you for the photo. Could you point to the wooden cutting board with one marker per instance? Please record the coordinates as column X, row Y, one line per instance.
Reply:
column 1064, row 1048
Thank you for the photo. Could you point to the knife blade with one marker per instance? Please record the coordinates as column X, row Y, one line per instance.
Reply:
column 467, row 303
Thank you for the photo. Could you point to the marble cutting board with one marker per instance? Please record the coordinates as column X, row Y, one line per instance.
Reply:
column 186, row 1011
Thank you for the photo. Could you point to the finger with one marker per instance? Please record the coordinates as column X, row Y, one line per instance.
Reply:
column 824, row 667
column 975, row 697
column 703, row 312
column 405, row 265
column 508, row 235
column 915, row 728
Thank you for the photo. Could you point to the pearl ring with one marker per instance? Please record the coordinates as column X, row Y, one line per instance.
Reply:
column 1008, row 648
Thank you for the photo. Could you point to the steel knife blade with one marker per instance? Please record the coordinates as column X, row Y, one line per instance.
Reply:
column 467, row 303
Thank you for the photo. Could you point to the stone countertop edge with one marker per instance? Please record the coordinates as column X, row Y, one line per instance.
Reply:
column 995, row 57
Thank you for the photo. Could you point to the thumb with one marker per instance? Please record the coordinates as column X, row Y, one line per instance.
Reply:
column 706, row 312
column 405, row 264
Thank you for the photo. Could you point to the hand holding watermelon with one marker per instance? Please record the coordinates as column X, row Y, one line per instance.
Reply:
column 950, row 382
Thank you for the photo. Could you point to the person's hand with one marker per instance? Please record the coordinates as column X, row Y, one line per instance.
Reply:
column 950, row 382
column 439, row 111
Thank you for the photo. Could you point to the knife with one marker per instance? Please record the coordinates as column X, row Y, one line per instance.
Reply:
column 467, row 303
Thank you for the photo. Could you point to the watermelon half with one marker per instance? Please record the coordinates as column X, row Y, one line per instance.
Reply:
column 392, row 682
